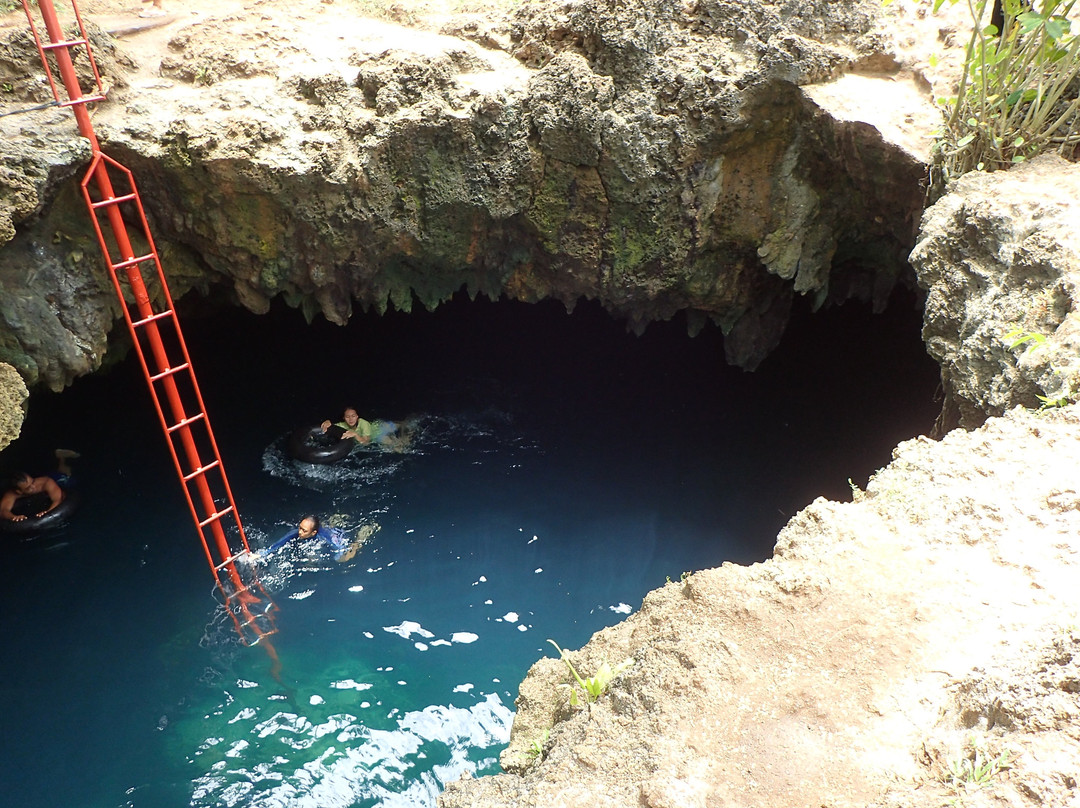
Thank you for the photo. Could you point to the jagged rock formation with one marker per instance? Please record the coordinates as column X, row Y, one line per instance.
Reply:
column 1001, row 254
column 655, row 156
column 13, row 396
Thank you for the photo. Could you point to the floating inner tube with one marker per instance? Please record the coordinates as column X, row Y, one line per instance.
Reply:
column 312, row 445
column 35, row 503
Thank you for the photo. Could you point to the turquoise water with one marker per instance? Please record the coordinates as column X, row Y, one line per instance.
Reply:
column 564, row 469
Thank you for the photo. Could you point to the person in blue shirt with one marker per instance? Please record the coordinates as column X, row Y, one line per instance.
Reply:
column 308, row 528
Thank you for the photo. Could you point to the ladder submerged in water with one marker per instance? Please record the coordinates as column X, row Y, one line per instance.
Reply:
column 116, row 209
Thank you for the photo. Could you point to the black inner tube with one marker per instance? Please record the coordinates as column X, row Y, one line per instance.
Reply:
column 310, row 444
column 34, row 504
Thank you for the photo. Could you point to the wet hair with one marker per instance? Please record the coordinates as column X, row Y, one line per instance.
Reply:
column 315, row 523
column 16, row 478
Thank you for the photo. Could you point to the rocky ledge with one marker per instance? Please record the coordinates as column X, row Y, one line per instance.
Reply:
column 706, row 157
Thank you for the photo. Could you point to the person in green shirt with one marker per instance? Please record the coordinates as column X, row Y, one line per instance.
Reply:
column 382, row 433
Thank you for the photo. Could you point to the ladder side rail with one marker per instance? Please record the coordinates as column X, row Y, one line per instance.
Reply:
column 197, row 390
column 126, row 311
column 59, row 47
column 99, row 173
column 41, row 51
column 144, row 226
column 89, row 53
column 84, row 41
column 199, row 475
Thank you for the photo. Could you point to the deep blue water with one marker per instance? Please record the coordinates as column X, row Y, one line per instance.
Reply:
column 565, row 468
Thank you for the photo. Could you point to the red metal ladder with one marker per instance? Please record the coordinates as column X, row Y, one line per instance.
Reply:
column 113, row 201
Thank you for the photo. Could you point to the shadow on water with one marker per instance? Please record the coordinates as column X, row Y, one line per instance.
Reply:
column 564, row 468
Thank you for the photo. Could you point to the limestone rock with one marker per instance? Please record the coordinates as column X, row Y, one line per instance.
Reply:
column 13, row 396
column 658, row 157
column 1000, row 254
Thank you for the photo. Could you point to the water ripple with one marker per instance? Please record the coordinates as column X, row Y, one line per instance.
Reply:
column 291, row 760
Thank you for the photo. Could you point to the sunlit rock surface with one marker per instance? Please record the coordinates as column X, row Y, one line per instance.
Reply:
column 1000, row 256
column 654, row 156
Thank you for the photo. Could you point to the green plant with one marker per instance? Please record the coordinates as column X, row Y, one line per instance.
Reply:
column 9, row 5
column 536, row 748
column 594, row 686
column 977, row 769
column 1017, row 95
column 856, row 492
column 1066, row 395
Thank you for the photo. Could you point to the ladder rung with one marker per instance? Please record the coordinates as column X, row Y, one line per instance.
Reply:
column 201, row 470
column 132, row 261
column 152, row 318
column 86, row 99
column 169, row 372
column 215, row 517
column 240, row 593
column 186, row 422
column 254, row 623
column 230, row 560
column 70, row 43
column 116, row 200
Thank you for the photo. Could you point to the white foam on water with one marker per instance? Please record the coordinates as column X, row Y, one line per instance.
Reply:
column 350, row 684
column 407, row 628
column 244, row 715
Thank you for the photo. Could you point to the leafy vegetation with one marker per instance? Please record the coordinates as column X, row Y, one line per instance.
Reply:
column 977, row 769
column 1018, row 96
column 1065, row 394
column 536, row 748
column 594, row 686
